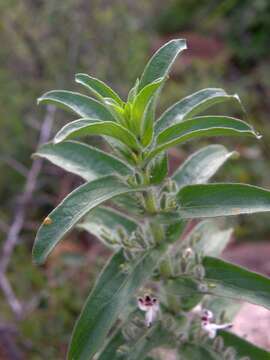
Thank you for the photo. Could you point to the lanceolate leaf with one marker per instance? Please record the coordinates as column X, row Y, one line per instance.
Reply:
column 82, row 105
column 98, row 87
column 161, row 62
column 71, row 210
column 112, row 348
column 141, row 101
column 156, row 336
column 203, row 126
column 158, row 168
column 112, row 292
column 101, row 218
column 243, row 347
column 85, row 127
column 148, row 122
column 83, row 160
column 192, row 105
column 207, row 239
column 232, row 281
column 212, row 200
column 202, row 165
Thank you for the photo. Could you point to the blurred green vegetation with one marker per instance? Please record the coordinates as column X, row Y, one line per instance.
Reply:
column 43, row 44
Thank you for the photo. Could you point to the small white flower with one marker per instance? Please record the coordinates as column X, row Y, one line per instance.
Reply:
column 150, row 306
column 211, row 328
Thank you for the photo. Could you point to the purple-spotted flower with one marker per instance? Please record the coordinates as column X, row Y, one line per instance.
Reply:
column 211, row 328
column 150, row 306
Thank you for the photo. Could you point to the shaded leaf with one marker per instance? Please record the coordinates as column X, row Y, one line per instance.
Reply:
column 193, row 351
column 83, row 160
column 202, row 165
column 112, row 292
column 206, row 238
column 158, row 168
column 101, row 218
column 243, row 347
column 235, row 282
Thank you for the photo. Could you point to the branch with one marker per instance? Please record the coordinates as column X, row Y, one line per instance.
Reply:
column 16, row 226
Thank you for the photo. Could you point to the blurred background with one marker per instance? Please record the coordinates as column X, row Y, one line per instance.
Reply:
column 43, row 44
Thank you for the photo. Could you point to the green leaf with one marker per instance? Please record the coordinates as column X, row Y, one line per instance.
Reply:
column 154, row 337
column 225, row 280
column 222, row 306
column 85, row 127
column 141, row 101
column 101, row 218
column 77, row 204
column 97, row 87
column 192, row 105
column 212, row 200
column 193, row 351
column 83, row 160
column 158, row 168
column 80, row 104
column 243, row 347
column 203, row 126
column 133, row 91
column 147, row 123
column 109, row 352
column 207, row 239
column 235, row 282
column 113, row 291
column 201, row 165
column 161, row 62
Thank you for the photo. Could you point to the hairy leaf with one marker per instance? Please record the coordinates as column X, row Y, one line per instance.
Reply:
column 77, row 204
column 207, row 239
column 85, row 127
column 192, row 105
column 83, row 160
column 212, row 200
column 82, row 105
column 202, row 165
column 142, row 100
column 98, row 87
column 244, row 347
column 232, row 281
column 101, row 218
column 161, row 62
column 112, row 292
column 204, row 126
column 194, row 351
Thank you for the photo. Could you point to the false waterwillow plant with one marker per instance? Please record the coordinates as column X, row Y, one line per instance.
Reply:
column 130, row 203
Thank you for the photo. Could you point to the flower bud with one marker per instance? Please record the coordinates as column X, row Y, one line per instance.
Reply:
column 229, row 354
column 199, row 272
column 202, row 287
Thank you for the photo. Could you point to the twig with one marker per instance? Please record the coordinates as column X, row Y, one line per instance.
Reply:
column 16, row 226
